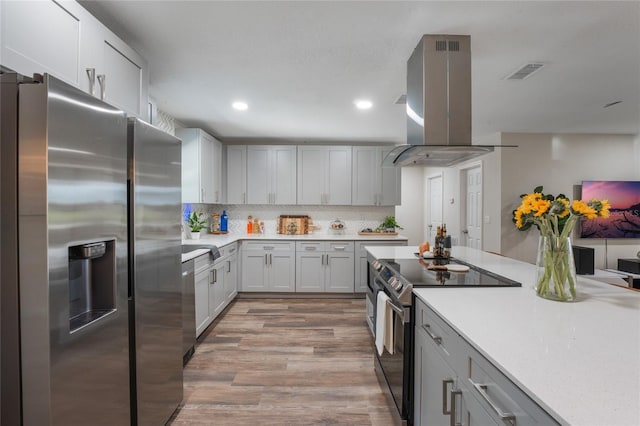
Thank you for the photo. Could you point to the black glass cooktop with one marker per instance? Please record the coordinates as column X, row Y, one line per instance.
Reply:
column 419, row 273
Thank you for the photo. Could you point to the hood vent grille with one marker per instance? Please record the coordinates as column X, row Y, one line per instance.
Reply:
column 450, row 45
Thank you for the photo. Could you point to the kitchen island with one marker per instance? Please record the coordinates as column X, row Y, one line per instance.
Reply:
column 579, row 361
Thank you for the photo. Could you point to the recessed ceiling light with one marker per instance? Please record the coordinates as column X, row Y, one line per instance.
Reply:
column 240, row 106
column 362, row 104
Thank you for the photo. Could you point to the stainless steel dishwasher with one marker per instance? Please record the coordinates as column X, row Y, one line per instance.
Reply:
column 188, row 311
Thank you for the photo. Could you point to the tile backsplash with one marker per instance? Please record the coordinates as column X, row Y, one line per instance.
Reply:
column 354, row 217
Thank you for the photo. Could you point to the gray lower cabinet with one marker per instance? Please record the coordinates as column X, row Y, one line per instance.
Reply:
column 325, row 266
column 361, row 267
column 216, row 285
column 268, row 266
column 455, row 384
column 203, row 279
column 231, row 274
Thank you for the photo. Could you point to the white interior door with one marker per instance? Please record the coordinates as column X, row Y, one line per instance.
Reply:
column 434, row 206
column 472, row 226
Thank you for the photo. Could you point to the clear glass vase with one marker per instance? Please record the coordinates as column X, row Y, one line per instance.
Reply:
column 556, row 278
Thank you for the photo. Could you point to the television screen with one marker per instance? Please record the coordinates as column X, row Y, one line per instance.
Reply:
column 624, row 220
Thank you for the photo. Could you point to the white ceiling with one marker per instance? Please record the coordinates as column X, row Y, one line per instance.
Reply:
column 301, row 64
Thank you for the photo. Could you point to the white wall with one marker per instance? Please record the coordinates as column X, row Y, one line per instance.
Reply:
column 409, row 214
column 559, row 163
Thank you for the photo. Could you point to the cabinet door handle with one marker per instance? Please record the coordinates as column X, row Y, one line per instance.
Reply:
column 244, row 198
column 211, row 280
column 266, row 261
column 427, row 329
column 102, row 80
column 505, row 417
column 216, row 195
column 91, row 73
column 270, row 259
column 228, row 266
column 202, row 195
column 312, row 248
column 327, row 259
column 340, row 248
column 446, row 382
column 452, row 416
column 268, row 247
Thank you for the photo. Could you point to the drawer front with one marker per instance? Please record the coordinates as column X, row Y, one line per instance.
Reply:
column 268, row 246
column 201, row 262
column 448, row 342
column 340, row 246
column 360, row 245
column 310, row 246
column 228, row 250
column 502, row 399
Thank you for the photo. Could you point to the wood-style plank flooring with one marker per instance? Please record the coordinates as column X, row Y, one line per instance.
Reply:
column 285, row 362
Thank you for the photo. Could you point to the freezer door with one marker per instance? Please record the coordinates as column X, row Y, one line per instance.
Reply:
column 72, row 186
column 156, row 290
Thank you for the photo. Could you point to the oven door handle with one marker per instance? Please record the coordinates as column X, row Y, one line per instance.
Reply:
column 399, row 311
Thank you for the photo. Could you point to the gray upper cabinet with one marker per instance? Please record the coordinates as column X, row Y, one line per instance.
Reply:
column 201, row 167
column 324, row 175
column 236, row 174
column 271, row 174
column 63, row 39
column 372, row 184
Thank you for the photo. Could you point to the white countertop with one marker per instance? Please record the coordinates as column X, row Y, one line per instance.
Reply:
column 580, row 361
column 223, row 240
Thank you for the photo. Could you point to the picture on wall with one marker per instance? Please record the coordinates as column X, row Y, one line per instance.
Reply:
column 624, row 218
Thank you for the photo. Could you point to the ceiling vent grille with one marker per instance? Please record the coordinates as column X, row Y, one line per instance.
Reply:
column 525, row 71
column 441, row 45
column 402, row 100
column 454, row 46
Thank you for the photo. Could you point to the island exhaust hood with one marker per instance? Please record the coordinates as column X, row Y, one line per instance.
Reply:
column 438, row 105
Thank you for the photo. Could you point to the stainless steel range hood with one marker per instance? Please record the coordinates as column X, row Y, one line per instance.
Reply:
column 438, row 105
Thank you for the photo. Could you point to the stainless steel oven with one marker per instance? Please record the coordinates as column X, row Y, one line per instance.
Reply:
column 396, row 369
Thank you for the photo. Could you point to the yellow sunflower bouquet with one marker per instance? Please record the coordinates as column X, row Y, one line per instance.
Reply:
column 555, row 217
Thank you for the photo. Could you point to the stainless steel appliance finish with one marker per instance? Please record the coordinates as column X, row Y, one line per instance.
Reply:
column 9, row 292
column 155, row 291
column 438, row 105
column 72, row 191
column 188, row 310
column 395, row 370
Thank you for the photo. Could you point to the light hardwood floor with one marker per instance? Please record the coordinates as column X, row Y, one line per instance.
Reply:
column 285, row 362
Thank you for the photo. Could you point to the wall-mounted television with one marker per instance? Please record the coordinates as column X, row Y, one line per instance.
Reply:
column 624, row 220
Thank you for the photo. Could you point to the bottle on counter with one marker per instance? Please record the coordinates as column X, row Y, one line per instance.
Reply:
column 224, row 222
column 250, row 225
column 215, row 223
column 255, row 226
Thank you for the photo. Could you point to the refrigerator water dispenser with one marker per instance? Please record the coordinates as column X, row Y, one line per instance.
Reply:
column 92, row 283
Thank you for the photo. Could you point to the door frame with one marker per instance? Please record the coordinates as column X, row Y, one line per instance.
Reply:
column 427, row 198
column 463, row 200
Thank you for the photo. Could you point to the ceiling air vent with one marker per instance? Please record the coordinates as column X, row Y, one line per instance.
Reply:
column 525, row 71
column 441, row 45
column 402, row 100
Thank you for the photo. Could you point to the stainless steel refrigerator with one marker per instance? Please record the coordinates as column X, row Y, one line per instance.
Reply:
column 78, row 232
column 155, row 293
